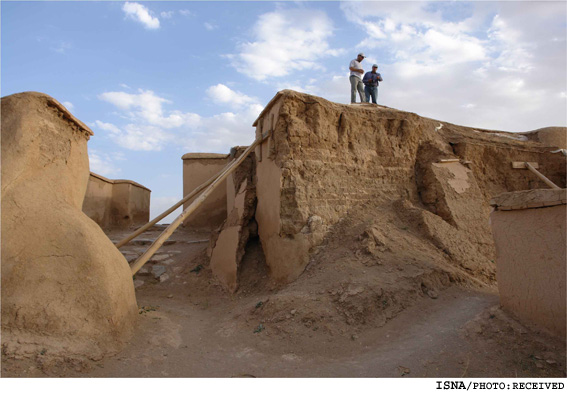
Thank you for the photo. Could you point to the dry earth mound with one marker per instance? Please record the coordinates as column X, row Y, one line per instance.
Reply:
column 324, row 159
column 367, row 208
column 65, row 288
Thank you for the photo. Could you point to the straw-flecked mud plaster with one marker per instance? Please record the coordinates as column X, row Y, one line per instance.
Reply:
column 530, row 250
column 116, row 203
column 322, row 159
column 98, row 200
column 130, row 204
column 197, row 169
column 550, row 136
column 65, row 287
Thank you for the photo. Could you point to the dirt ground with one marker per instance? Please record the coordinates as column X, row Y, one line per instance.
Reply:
column 347, row 316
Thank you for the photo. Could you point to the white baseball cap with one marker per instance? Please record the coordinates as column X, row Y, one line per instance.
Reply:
column 361, row 54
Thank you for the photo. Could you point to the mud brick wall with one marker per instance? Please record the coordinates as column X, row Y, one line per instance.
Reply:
column 197, row 169
column 116, row 203
column 333, row 157
column 320, row 159
column 529, row 233
column 493, row 166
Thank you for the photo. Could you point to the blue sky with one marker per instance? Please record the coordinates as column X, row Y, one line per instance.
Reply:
column 155, row 80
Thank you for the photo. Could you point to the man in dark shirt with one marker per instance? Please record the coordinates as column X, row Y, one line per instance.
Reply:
column 370, row 81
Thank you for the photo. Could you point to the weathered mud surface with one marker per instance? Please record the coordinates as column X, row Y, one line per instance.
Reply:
column 65, row 287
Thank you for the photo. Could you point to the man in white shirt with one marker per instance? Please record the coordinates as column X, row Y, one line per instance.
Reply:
column 356, row 73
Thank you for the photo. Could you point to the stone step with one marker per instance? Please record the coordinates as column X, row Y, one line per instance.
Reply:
column 130, row 257
column 144, row 271
column 158, row 270
column 149, row 241
column 156, row 258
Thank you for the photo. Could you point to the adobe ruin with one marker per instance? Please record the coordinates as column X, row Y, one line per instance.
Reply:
column 322, row 159
column 397, row 205
column 116, row 203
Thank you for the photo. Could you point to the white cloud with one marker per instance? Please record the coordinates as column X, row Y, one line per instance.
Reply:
column 148, row 106
column 107, row 127
column 69, row 105
column 59, row 46
column 102, row 164
column 210, row 26
column 140, row 13
column 158, row 205
column 451, row 49
column 138, row 137
column 220, row 132
column 166, row 14
column 493, row 65
column 223, row 94
column 185, row 12
column 143, row 137
column 147, row 121
column 284, row 41
column 512, row 53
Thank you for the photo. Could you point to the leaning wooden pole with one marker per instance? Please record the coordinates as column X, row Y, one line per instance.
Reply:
column 196, row 191
column 164, row 236
column 541, row 176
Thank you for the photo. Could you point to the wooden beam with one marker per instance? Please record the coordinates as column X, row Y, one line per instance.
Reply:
column 164, row 236
column 541, row 176
column 522, row 164
column 196, row 191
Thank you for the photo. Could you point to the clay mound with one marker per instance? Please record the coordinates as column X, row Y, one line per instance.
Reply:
column 362, row 210
column 65, row 288
column 323, row 159
column 367, row 270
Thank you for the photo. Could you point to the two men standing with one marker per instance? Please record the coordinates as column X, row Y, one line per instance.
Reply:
column 368, row 86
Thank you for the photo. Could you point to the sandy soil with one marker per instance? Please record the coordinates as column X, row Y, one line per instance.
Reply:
column 189, row 327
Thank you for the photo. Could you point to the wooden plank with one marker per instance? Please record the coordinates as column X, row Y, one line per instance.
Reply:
column 196, row 191
column 541, row 176
column 522, row 164
column 164, row 236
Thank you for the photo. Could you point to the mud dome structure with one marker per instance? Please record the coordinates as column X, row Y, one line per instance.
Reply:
column 322, row 159
column 65, row 286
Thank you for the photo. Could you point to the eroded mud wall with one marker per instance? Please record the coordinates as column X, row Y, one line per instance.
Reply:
column 321, row 159
column 197, row 169
column 529, row 234
column 227, row 247
column 550, row 136
column 65, row 287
